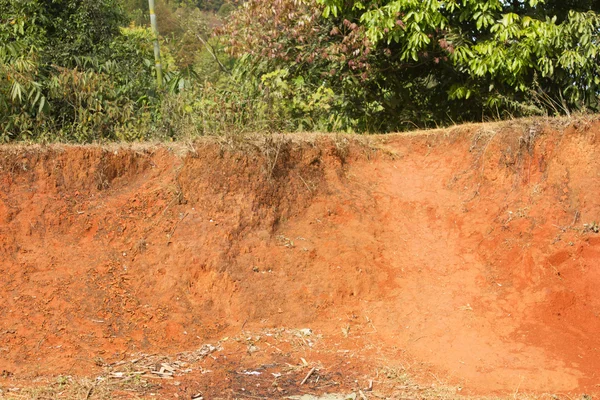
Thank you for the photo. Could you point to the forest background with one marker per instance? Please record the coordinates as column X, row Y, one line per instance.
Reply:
column 84, row 70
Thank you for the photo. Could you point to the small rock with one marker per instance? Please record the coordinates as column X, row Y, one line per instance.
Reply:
column 305, row 332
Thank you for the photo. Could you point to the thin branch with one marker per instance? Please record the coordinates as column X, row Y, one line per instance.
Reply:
column 211, row 51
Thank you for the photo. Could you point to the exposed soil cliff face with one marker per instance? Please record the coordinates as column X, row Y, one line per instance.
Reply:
column 472, row 251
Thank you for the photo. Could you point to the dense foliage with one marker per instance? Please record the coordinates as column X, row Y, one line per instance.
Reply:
column 395, row 64
column 82, row 70
column 502, row 49
column 68, row 71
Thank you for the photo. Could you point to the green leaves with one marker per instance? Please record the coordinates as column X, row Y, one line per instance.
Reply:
column 429, row 62
column 492, row 41
column 65, row 66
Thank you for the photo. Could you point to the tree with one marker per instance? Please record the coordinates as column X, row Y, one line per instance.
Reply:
column 394, row 64
column 503, row 50
column 66, row 67
column 314, row 70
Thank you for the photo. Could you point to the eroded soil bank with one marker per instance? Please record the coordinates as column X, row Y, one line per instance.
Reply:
column 468, row 257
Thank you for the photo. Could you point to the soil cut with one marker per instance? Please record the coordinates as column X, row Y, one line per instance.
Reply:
column 458, row 262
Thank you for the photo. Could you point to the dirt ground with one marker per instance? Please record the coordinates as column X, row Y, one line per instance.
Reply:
column 442, row 264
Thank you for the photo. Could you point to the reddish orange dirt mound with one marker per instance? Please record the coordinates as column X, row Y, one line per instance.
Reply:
column 472, row 255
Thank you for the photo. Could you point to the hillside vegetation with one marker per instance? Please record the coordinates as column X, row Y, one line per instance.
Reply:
column 83, row 70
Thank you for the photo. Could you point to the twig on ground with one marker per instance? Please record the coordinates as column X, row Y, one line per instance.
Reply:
column 91, row 391
column 302, row 179
column 175, row 227
column 308, row 375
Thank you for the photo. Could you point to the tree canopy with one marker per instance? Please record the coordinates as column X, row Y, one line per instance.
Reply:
column 401, row 63
column 66, row 66
column 82, row 70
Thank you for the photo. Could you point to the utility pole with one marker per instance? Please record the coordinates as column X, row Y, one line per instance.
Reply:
column 159, row 77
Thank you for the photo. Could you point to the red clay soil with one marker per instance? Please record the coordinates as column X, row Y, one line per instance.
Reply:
column 469, row 254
